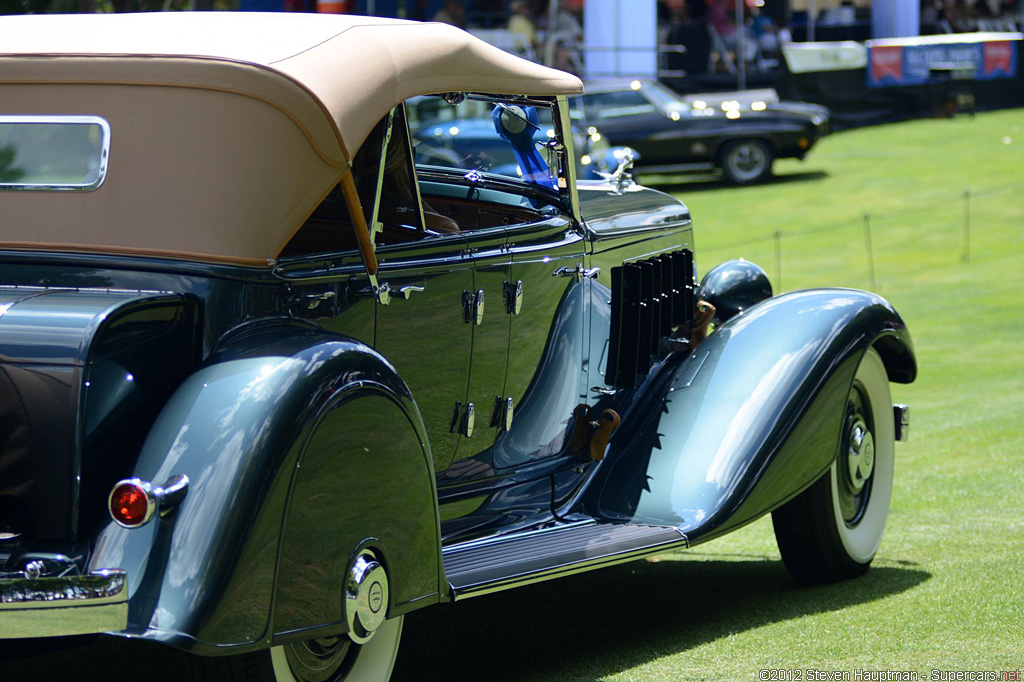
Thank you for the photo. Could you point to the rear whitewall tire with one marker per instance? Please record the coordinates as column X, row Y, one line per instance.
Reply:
column 370, row 662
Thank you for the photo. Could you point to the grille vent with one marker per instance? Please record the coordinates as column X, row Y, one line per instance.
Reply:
column 652, row 300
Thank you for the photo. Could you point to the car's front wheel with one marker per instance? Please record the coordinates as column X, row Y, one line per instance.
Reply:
column 747, row 161
column 832, row 530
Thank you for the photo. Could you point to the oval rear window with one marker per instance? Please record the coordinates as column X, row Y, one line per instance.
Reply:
column 53, row 153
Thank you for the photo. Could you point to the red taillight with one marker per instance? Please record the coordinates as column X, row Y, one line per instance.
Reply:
column 131, row 503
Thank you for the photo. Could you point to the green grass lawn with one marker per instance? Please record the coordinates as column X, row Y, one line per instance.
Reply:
column 946, row 591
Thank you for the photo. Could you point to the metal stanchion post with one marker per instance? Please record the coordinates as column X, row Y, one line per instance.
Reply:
column 871, row 255
column 778, row 260
column 966, row 256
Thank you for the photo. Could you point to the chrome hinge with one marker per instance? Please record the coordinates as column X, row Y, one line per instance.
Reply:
column 468, row 420
column 456, row 417
column 463, row 419
column 473, row 306
column 513, row 297
column 501, row 414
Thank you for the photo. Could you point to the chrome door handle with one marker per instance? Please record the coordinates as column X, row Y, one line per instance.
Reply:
column 577, row 273
column 407, row 291
column 313, row 300
column 565, row 271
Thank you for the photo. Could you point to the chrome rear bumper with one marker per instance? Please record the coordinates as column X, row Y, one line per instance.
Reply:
column 69, row 605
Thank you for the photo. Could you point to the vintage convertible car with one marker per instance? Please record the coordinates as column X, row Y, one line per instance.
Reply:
column 266, row 387
column 739, row 133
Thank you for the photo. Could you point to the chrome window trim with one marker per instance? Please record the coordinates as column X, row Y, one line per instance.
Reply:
column 73, row 120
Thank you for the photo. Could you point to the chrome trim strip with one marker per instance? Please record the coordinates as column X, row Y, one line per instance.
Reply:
column 562, row 122
column 459, row 594
column 105, row 586
column 101, row 174
column 498, row 539
column 676, row 167
column 70, row 605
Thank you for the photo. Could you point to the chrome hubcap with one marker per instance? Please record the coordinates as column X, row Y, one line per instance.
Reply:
column 860, row 456
column 856, row 458
column 366, row 597
column 747, row 161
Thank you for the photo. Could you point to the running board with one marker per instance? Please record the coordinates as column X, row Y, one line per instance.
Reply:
column 491, row 565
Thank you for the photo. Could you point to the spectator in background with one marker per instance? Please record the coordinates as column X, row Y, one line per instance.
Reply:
column 522, row 27
column 452, row 12
column 565, row 37
column 961, row 16
column 719, row 19
column 764, row 30
column 930, row 17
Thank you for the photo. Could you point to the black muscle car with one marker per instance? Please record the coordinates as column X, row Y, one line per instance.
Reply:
column 266, row 386
column 739, row 133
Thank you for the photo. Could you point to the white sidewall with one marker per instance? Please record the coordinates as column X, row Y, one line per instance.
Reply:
column 374, row 663
column 861, row 542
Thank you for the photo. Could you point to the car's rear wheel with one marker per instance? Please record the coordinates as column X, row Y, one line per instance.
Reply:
column 338, row 659
column 747, row 161
column 324, row 659
column 365, row 654
column 832, row 530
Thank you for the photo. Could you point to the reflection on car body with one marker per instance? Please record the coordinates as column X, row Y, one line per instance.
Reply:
column 260, row 408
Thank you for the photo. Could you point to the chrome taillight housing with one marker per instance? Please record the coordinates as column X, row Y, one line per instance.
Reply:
column 133, row 502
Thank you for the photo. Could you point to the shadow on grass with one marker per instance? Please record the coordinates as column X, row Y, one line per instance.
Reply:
column 588, row 627
column 674, row 184
column 577, row 629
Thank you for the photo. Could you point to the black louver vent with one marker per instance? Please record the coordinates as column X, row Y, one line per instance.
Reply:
column 652, row 300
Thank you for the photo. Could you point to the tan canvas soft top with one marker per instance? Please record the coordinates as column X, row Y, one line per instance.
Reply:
column 232, row 125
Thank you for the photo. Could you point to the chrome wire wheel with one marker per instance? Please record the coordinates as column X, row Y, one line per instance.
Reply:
column 747, row 161
column 832, row 530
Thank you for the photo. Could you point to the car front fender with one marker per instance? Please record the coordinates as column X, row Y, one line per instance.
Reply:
column 750, row 418
column 203, row 578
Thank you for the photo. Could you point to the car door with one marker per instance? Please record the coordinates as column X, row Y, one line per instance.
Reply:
column 490, row 328
column 543, row 383
column 426, row 332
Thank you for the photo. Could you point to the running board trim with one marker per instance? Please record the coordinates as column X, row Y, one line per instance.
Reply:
column 507, row 562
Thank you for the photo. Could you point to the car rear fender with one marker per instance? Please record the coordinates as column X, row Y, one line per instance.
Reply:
column 207, row 577
column 750, row 418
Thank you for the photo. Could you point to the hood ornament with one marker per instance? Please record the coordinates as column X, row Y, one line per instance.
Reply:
column 622, row 178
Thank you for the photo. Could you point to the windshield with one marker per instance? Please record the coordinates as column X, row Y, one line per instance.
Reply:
column 662, row 97
column 503, row 138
